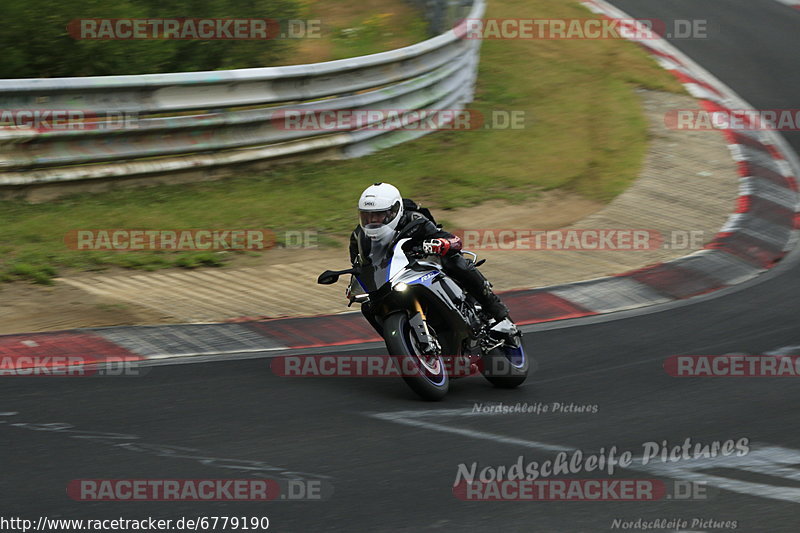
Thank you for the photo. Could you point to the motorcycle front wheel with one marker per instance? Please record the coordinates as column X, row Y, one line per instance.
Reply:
column 425, row 374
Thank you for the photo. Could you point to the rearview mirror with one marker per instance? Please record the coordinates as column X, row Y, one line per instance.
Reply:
column 329, row 277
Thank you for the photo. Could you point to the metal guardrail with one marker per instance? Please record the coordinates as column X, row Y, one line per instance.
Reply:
column 191, row 121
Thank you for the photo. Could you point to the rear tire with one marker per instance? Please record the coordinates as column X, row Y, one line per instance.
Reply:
column 506, row 367
column 429, row 380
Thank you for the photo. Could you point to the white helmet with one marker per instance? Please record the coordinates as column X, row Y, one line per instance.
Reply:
column 379, row 210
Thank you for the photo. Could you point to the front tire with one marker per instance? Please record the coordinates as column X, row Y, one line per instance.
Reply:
column 426, row 375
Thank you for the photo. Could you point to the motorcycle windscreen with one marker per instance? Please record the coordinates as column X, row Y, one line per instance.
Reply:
column 378, row 268
column 375, row 270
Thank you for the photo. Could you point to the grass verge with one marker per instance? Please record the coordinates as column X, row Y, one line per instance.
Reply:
column 352, row 28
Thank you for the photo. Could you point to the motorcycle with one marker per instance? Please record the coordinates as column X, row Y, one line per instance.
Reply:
column 429, row 323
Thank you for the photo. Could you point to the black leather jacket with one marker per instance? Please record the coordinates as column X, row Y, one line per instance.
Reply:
column 412, row 225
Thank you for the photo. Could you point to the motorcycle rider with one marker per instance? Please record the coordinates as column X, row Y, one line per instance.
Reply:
column 383, row 216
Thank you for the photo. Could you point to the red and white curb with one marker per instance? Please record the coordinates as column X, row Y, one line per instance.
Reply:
column 755, row 238
column 791, row 3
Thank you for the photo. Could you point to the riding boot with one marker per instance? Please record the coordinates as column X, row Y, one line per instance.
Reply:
column 493, row 305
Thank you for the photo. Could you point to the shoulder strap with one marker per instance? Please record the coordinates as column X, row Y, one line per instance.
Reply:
column 411, row 205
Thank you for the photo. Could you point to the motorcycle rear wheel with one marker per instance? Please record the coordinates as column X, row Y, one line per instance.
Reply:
column 506, row 367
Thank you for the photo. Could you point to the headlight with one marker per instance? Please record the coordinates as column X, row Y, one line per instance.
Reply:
column 400, row 287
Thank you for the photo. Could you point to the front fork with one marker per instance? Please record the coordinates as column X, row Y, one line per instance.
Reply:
column 421, row 331
column 458, row 364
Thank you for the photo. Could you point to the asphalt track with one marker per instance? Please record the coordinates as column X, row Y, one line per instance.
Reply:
column 394, row 472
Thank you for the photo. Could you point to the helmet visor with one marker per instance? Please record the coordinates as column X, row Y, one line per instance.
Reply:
column 376, row 219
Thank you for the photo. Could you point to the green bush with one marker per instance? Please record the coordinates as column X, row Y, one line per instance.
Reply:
column 36, row 43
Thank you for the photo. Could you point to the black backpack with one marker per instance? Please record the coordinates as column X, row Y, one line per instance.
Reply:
column 411, row 205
